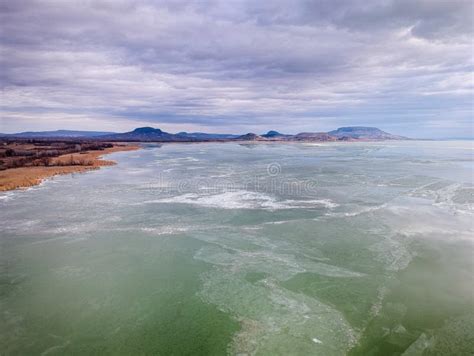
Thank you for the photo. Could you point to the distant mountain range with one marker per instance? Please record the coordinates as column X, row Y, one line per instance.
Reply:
column 58, row 133
column 353, row 133
column 206, row 136
column 150, row 134
column 361, row 132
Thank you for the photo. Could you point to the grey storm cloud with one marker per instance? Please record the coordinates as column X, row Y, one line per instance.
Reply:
column 234, row 66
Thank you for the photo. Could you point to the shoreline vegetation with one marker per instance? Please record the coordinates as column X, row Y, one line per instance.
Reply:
column 26, row 164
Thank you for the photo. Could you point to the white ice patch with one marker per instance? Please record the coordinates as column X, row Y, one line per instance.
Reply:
column 164, row 230
column 427, row 220
column 327, row 203
column 279, row 222
column 242, row 199
column 274, row 319
column 358, row 211
column 280, row 266
column 393, row 252
column 4, row 197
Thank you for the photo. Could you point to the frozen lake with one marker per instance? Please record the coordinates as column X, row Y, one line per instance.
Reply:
column 266, row 249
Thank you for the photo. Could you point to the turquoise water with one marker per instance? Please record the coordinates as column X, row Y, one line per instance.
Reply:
column 258, row 249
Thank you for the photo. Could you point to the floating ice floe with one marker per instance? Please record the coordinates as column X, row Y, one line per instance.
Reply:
column 242, row 199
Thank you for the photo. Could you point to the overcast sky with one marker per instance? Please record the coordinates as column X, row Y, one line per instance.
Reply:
column 404, row 66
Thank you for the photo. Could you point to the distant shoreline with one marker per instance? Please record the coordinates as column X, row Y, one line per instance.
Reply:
column 25, row 177
column 285, row 141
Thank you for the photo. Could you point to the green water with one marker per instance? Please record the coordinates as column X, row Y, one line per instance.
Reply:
column 271, row 249
column 105, row 296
